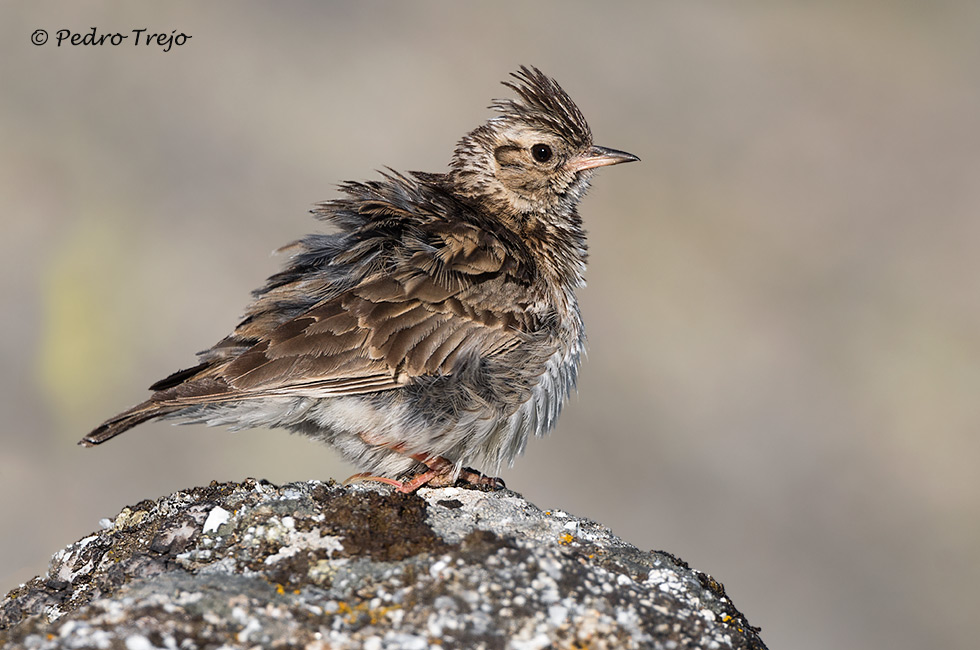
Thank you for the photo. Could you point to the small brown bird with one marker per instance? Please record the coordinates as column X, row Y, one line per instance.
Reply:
column 437, row 328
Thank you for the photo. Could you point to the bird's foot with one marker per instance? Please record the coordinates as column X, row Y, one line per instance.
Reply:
column 440, row 473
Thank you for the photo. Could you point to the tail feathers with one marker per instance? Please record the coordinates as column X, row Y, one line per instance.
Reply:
column 126, row 421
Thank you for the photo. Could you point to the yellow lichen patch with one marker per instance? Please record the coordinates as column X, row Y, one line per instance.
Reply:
column 377, row 614
column 565, row 539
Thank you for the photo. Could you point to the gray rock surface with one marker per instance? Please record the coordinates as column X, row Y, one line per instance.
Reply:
column 319, row 565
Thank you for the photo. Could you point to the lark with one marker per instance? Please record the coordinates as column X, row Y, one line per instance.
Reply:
column 437, row 327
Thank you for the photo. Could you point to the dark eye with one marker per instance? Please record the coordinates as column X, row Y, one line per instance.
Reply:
column 541, row 153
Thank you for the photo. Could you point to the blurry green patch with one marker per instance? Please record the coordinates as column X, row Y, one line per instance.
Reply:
column 83, row 353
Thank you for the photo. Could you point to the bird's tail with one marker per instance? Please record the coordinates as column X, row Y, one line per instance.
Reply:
column 126, row 421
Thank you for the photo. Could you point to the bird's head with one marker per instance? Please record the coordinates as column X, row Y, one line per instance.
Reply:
column 537, row 156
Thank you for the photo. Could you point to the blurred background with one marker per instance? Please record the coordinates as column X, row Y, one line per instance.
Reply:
column 783, row 382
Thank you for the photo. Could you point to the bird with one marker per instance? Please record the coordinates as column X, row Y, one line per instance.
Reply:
column 436, row 327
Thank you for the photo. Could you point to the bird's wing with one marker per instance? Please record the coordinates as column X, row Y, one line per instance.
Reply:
column 450, row 299
column 377, row 336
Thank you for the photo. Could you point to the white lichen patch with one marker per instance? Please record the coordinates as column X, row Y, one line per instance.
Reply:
column 216, row 518
column 302, row 542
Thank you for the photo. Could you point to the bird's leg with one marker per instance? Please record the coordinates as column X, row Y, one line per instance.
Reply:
column 429, row 476
column 440, row 473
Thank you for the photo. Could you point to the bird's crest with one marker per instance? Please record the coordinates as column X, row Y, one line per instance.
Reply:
column 542, row 99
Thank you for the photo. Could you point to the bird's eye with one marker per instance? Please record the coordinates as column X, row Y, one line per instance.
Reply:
column 541, row 153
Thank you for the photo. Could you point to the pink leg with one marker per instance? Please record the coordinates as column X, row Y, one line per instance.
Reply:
column 439, row 474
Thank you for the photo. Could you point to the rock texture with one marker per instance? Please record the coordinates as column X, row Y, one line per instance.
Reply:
column 320, row 565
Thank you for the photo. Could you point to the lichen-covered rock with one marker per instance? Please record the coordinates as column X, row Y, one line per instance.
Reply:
column 316, row 565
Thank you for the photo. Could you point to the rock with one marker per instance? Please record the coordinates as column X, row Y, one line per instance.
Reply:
column 319, row 565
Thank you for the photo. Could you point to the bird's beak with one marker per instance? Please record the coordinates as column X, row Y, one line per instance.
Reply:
column 597, row 156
